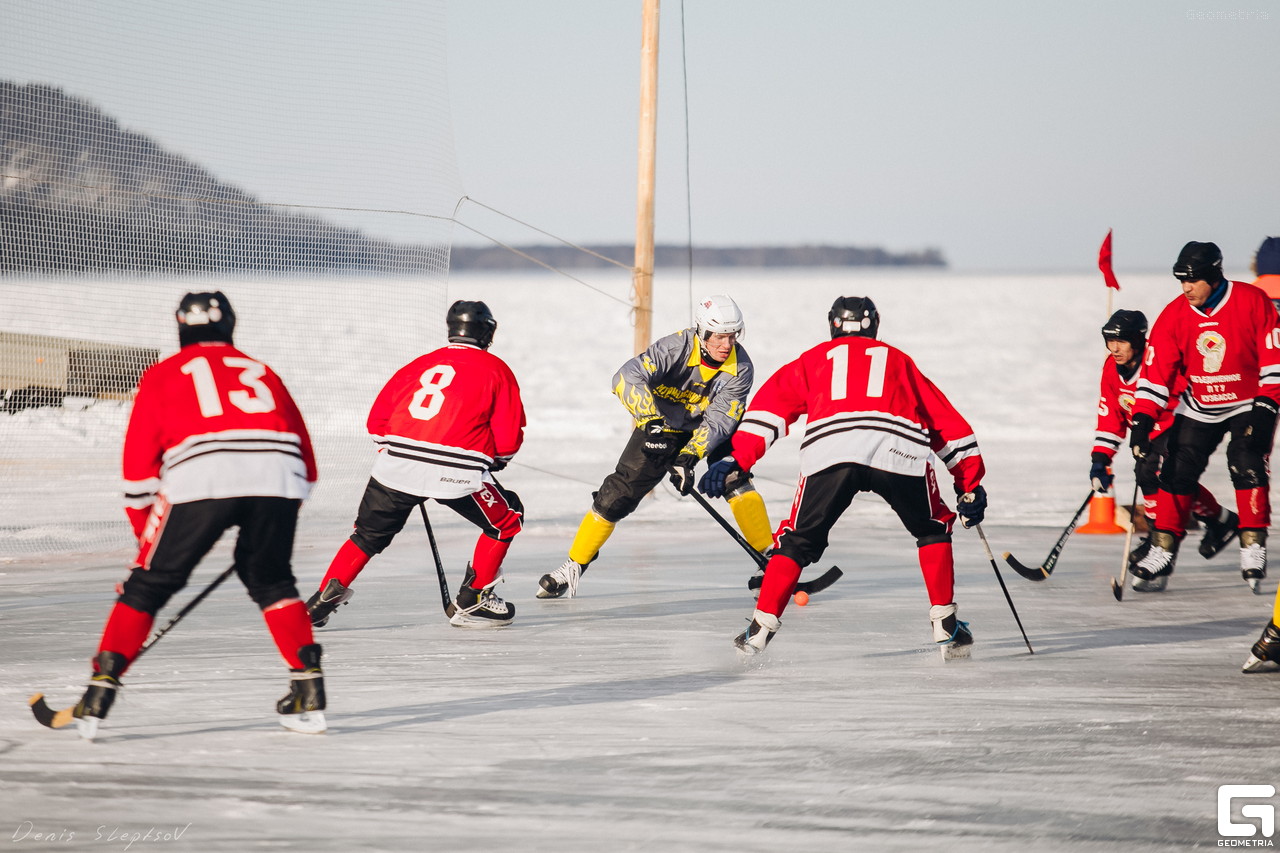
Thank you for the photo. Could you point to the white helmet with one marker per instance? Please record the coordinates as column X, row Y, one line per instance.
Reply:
column 718, row 315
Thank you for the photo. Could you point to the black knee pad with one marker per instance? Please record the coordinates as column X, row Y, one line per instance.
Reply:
column 1248, row 469
column 932, row 539
column 613, row 505
column 147, row 591
column 265, row 596
column 373, row 544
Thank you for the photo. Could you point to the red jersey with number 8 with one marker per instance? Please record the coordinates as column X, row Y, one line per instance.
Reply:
column 866, row 403
column 442, row 419
column 211, row 422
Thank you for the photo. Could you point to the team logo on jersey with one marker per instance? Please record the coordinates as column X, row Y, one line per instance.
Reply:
column 1126, row 401
column 1213, row 347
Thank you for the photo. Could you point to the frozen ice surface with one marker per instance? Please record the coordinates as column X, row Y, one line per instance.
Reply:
column 623, row 719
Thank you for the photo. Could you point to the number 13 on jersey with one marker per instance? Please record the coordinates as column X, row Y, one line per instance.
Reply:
column 877, row 359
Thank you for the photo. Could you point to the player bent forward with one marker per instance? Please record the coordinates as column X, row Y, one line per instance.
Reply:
column 214, row 441
column 443, row 425
column 873, row 419
column 687, row 392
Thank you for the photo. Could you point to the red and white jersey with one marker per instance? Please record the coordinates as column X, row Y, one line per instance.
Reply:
column 211, row 422
column 1229, row 355
column 441, row 421
column 867, row 403
column 1116, row 397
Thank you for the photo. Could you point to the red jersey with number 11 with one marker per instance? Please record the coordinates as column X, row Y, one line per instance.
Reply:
column 867, row 403
column 442, row 419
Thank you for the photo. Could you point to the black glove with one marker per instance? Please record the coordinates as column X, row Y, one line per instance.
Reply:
column 972, row 506
column 682, row 472
column 1100, row 472
column 498, row 463
column 712, row 482
column 1261, row 430
column 658, row 443
column 1140, row 435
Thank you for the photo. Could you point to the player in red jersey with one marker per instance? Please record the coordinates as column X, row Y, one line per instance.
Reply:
column 873, row 421
column 1125, row 334
column 214, row 441
column 1220, row 335
column 443, row 425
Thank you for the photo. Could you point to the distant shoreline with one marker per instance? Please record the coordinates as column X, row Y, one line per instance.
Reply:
column 464, row 258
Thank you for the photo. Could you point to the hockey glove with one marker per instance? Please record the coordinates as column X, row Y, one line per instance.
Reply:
column 499, row 462
column 658, row 443
column 682, row 472
column 972, row 506
column 1261, row 430
column 712, row 483
column 1140, row 435
column 1100, row 472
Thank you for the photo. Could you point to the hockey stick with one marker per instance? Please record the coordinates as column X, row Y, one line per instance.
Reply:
column 996, row 568
column 46, row 716
column 445, row 597
column 818, row 584
column 1117, row 587
column 1045, row 569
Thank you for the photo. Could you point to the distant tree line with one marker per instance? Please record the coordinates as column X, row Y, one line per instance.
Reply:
column 78, row 193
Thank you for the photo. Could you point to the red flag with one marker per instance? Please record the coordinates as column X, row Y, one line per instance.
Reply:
column 1104, row 262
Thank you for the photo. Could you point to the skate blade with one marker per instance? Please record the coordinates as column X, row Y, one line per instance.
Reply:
column 1256, row 664
column 87, row 727
column 307, row 723
column 460, row 621
column 1255, row 584
column 951, row 651
column 1156, row 584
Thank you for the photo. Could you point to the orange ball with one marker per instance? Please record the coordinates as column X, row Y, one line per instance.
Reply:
column 802, row 598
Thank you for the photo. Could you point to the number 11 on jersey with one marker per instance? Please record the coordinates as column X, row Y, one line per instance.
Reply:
column 839, row 357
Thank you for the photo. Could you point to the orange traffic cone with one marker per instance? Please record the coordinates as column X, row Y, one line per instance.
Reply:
column 1102, row 515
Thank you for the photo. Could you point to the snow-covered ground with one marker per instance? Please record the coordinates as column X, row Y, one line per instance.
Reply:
column 623, row 719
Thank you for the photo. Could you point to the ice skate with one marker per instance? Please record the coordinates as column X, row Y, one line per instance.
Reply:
column 97, row 700
column 563, row 581
column 1151, row 573
column 758, row 634
column 953, row 637
column 1253, row 558
column 321, row 605
column 1265, row 654
column 1218, row 532
column 302, row 709
column 480, row 608
column 1137, row 554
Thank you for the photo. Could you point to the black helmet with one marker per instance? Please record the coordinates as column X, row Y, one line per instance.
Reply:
column 1199, row 262
column 853, row 315
column 205, row 317
column 471, row 323
column 1128, row 326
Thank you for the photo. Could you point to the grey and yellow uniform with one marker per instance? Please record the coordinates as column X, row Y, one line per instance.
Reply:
column 699, row 403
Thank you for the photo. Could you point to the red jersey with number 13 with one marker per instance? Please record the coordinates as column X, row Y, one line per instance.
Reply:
column 442, row 419
column 867, row 403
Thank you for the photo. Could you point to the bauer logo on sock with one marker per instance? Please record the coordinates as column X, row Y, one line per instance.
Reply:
column 1265, row 814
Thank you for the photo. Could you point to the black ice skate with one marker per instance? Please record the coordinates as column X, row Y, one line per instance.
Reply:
column 302, row 709
column 1253, row 558
column 101, row 693
column 481, row 608
column 1218, row 532
column 953, row 637
column 1136, row 555
column 321, row 605
column 562, row 581
column 758, row 634
column 1265, row 654
column 1151, row 573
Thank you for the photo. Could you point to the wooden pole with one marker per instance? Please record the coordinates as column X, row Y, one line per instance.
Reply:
column 642, row 274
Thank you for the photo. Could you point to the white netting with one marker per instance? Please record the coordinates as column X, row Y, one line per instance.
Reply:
column 296, row 155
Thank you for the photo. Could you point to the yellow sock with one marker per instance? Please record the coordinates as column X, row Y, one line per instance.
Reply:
column 592, row 533
column 1275, row 611
column 753, row 519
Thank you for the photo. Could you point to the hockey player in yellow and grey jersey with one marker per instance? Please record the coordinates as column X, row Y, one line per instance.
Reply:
column 686, row 392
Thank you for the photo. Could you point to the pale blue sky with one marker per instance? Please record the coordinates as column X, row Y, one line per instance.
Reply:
column 1010, row 135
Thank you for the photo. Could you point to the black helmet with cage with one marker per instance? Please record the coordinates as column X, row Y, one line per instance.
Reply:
column 205, row 318
column 471, row 323
column 853, row 315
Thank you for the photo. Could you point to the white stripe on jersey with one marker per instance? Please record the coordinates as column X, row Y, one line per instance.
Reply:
column 427, row 469
column 1158, row 394
column 953, row 452
column 139, row 494
column 1197, row 411
column 767, row 425
column 235, row 463
column 876, row 439
column 1106, row 439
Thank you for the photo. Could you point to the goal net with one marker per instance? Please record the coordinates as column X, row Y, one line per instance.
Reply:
column 296, row 155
